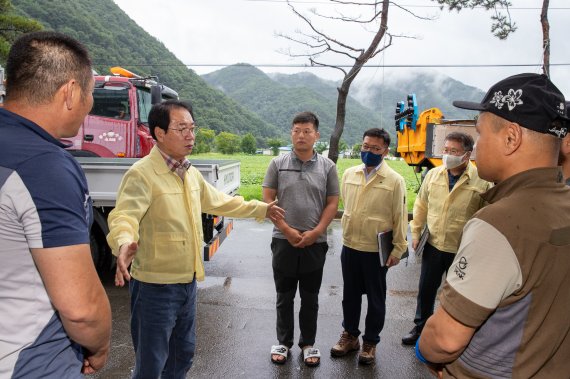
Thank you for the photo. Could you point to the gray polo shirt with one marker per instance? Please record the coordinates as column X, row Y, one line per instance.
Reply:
column 302, row 189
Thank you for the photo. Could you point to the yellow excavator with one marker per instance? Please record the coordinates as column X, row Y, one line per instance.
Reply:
column 420, row 138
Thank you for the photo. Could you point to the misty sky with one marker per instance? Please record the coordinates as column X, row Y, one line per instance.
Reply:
column 221, row 32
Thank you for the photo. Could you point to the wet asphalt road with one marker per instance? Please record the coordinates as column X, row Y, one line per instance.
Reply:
column 236, row 317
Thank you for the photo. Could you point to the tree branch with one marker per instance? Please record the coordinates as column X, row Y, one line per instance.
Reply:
column 545, row 38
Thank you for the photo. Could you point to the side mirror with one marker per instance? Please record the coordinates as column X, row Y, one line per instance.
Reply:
column 155, row 94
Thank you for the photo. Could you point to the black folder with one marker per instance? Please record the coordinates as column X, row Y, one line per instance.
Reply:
column 385, row 246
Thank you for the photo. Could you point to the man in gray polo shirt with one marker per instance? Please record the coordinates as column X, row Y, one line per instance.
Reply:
column 306, row 186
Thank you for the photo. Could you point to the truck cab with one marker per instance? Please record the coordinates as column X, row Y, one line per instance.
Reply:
column 117, row 125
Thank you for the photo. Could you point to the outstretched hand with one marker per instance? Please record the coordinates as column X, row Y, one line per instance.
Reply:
column 274, row 213
column 127, row 253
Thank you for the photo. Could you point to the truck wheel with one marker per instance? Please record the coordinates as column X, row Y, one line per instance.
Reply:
column 99, row 252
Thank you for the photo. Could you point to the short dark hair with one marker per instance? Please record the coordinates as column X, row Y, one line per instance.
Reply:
column 40, row 63
column 464, row 139
column 306, row 117
column 378, row 133
column 159, row 115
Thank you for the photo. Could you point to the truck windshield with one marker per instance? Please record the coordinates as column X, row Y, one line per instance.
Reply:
column 145, row 103
column 111, row 101
column 144, row 99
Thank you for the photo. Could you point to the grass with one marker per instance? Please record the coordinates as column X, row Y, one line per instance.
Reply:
column 253, row 169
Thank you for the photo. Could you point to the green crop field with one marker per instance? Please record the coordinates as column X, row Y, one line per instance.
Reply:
column 253, row 169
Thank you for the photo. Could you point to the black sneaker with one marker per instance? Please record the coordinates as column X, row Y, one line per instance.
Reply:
column 412, row 336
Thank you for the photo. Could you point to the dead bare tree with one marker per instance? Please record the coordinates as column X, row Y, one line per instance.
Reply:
column 318, row 43
column 545, row 38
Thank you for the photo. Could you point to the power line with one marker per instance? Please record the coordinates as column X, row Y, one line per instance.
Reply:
column 402, row 5
column 288, row 65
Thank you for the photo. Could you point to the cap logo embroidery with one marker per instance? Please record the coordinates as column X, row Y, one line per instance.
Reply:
column 512, row 99
column 559, row 132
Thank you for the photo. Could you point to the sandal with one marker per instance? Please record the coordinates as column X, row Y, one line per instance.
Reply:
column 310, row 352
column 280, row 351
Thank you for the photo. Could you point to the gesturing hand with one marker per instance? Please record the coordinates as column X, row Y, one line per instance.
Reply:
column 274, row 213
column 127, row 253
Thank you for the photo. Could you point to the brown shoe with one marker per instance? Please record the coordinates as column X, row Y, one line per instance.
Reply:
column 368, row 353
column 345, row 344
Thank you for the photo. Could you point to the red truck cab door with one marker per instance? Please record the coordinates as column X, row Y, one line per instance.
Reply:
column 144, row 140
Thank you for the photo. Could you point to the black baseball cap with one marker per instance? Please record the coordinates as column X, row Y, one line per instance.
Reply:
column 530, row 100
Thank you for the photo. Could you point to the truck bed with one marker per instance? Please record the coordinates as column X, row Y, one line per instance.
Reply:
column 104, row 176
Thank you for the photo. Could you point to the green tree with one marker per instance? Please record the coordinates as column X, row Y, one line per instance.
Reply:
column 342, row 146
column 502, row 23
column 503, row 26
column 227, row 143
column 11, row 27
column 274, row 144
column 204, row 140
column 355, row 153
column 248, row 144
column 321, row 146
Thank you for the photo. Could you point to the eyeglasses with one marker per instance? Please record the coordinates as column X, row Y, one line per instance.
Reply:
column 303, row 131
column 374, row 149
column 185, row 131
column 452, row 151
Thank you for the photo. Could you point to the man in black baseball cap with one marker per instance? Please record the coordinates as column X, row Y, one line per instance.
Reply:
column 530, row 100
column 504, row 304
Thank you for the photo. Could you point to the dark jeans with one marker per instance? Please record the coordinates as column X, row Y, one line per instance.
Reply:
column 362, row 274
column 292, row 267
column 163, row 328
column 434, row 264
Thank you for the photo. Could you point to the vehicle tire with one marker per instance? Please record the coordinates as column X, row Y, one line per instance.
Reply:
column 99, row 252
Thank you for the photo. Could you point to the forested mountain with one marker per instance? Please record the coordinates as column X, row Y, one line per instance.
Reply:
column 277, row 100
column 275, row 97
column 113, row 39
column 326, row 88
column 240, row 99
column 432, row 90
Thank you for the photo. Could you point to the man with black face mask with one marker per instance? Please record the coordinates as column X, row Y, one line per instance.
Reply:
column 448, row 197
column 374, row 198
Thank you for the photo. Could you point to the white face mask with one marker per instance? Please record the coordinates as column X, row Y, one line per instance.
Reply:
column 452, row 161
